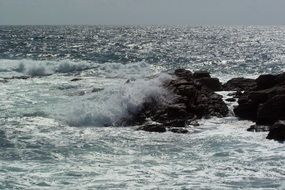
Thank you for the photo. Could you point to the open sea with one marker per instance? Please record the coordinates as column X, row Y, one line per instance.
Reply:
column 61, row 134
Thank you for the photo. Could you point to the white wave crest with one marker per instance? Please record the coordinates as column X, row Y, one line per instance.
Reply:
column 116, row 103
column 84, row 68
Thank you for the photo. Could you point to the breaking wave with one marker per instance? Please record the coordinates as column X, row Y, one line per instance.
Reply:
column 114, row 103
column 83, row 68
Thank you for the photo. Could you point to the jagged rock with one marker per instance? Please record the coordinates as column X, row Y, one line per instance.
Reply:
column 265, row 106
column 190, row 99
column 277, row 131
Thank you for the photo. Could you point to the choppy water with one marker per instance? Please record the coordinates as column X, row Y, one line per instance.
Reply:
column 58, row 134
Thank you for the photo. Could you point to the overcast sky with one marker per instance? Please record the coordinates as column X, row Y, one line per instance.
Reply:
column 124, row 12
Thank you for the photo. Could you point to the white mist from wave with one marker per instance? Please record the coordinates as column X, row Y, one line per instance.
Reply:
column 115, row 103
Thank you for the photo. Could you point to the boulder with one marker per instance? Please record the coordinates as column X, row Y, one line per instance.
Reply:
column 183, row 73
column 211, row 83
column 239, row 84
column 277, row 131
column 266, row 81
column 272, row 110
column 201, row 74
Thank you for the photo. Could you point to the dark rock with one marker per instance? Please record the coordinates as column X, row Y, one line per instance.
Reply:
column 236, row 94
column 247, row 109
column 179, row 130
column 153, row 128
column 272, row 110
column 239, row 84
column 75, row 79
column 201, row 74
column 258, row 128
column 194, row 123
column 266, row 81
column 277, row 131
column 18, row 77
column 211, row 83
column 188, row 99
column 183, row 73
column 175, row 123
column 3, row 80
column 97, row 89
column 230, row 99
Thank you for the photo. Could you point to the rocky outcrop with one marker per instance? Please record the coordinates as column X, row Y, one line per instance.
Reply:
column 263, row 102
column 193, row 97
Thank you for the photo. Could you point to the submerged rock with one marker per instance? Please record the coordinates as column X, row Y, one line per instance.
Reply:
column 153, row 128
column 179, row 130
column 75, row 79
column 258, row 128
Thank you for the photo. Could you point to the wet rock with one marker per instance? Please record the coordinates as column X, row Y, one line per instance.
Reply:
column 3, row 80
column 153, row 128
column 230, row 99
column 236, row 94
column 179, row 130
column 189, row 99
column 277, row 131
column 97, row 89
column 175, row 123
column 265, row 106
column 258, row 128
column 194, row 123
column 75, row 79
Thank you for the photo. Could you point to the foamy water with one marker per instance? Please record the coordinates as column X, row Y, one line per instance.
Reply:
column 58, row 134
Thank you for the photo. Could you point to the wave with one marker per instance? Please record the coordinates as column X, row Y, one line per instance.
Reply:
column 114, row 103
column 83, row 68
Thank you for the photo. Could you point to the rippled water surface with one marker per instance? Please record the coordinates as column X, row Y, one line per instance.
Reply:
column 60, row 134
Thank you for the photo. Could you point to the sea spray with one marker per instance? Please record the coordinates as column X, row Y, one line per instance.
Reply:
column 115, row 104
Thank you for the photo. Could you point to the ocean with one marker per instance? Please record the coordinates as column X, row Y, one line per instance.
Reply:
column 58, row 128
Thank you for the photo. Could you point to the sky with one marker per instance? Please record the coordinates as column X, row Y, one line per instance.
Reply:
column 142, row 12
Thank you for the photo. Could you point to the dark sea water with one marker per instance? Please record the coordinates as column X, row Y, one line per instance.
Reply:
column 58, row 134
